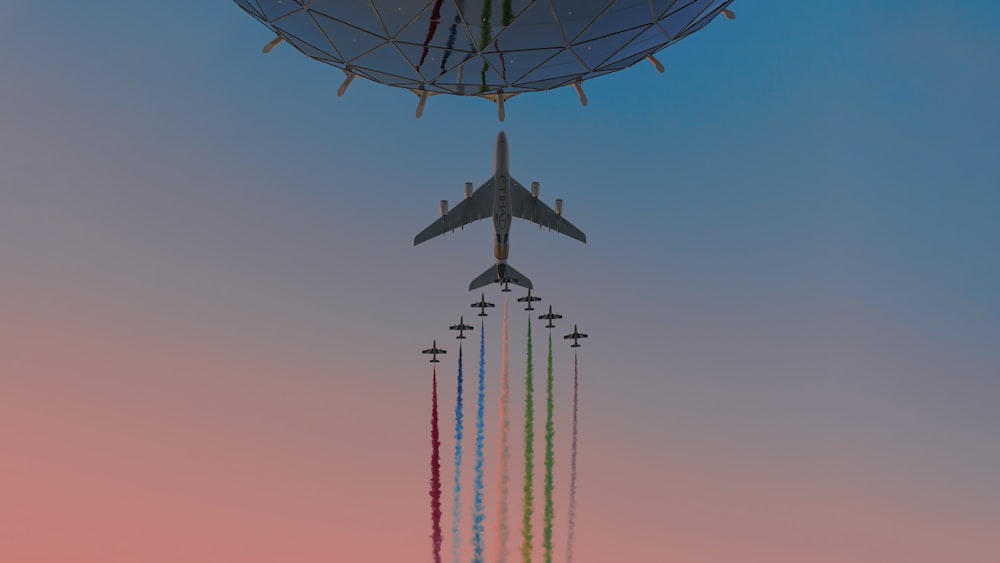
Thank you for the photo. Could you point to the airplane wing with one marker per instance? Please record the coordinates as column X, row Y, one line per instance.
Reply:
column 525, row 206
column 470, row 209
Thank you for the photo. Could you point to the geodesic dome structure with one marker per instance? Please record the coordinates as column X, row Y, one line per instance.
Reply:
column 489, row 48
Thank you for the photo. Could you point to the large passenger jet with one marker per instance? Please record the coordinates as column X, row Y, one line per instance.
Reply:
column 502, row 197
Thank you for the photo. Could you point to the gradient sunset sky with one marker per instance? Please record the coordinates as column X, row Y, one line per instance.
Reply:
column 211, row 311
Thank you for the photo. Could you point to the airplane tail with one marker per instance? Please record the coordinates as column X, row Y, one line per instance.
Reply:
column 501, row 273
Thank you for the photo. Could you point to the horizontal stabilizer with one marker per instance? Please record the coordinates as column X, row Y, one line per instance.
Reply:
column 492, row 275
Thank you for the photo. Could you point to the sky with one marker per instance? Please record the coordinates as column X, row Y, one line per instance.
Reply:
column 211, row 310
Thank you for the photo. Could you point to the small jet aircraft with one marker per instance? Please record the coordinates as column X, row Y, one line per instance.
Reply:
column 576, row 336
column 550, row 316
column 528, row 298
column 482, row 304
column 501, row 197
column 461, row 327
column 434, row 350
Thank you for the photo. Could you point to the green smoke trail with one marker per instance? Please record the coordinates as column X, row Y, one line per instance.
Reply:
column 529, row 457
column 571, row 536
column 485, row 35
column 550, row 433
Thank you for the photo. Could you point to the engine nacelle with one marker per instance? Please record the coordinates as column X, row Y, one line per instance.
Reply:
column 444, row 207
column 468, row 190
column 536, row 188
column 558, row 207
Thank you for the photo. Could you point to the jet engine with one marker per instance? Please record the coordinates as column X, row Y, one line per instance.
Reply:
column 535, row 189
column 468, row 190
column 444, row 207
column 558, row 207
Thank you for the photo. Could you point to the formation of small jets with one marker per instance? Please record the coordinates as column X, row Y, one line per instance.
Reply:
column 434, row 351
column 576, row 335
column 550, row 316
column 501, row 197
column 528, row 299
column 483, row 304
column 461, row 327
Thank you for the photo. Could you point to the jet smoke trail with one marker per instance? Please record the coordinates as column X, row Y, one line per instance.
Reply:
column 477, row 507
column 529, row 457
column 572, row 478
column 549, row 462
column 456, row 507
column 435, row 474
column 504, row 477
column 435, row 20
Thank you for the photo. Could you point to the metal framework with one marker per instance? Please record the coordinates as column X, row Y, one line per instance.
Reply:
column 492, row 49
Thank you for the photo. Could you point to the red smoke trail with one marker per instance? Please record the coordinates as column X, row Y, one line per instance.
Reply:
column 435, row 19
column 504, row 476
column 572, row 478
column 435, row 474
column 550, row 433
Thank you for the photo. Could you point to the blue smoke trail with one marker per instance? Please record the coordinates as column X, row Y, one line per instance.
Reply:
column 456, row 510
column 477, row 507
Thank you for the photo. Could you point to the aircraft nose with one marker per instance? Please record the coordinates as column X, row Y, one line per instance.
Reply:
column 501, row 137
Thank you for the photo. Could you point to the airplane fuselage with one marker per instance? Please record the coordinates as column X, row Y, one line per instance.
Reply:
column 501, row 203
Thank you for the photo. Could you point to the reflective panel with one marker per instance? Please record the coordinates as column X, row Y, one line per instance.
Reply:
column 480, row 47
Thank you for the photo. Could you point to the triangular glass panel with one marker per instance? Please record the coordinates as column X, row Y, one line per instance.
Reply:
column 484, row 77
column 663, row 7
column 488, row 19
column 623, row 15
column 349, row 41
column 430, row 62
column 388, row 59
column 597, row 51
column 450, row 77
column 624, row 62
column 358, row 13
column 274, row 9
column 549, row 83
column 310, row 50
column 574, row 18
column 703, row 21
column 439, row 27
column 515, row 64
column 535, row 28
column 251, row 7
column 401, row 14
column 675, row 22
column 302, row 26
column 646, row 42
column 385, row 77
column 475, row 77
column 563, row 64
